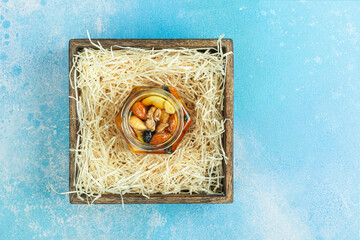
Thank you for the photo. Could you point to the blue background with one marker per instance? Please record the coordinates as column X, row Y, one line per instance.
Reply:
column 297, row 118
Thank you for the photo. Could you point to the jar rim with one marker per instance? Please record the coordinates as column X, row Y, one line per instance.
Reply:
column 125, row 115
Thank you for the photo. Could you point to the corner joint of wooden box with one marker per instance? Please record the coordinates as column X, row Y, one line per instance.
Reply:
column 229, row 198
column 72, row 197
column 228, row 43
column 72, row 43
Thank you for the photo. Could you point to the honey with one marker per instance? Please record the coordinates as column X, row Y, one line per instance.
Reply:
column 153, row 120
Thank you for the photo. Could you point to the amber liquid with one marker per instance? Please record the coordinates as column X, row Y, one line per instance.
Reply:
column 169, row 149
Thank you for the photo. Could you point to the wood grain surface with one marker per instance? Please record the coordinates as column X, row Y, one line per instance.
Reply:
column 76, row 45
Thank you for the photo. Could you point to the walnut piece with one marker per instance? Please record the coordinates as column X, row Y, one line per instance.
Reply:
column 150, row 113
column 161, row 127
column 150, row 124
column 157, row 114
column 164, row 117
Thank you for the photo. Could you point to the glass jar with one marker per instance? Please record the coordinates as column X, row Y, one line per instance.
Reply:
column 181, row 114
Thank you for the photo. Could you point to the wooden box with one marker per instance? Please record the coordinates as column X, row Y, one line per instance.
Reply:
column 76, row 45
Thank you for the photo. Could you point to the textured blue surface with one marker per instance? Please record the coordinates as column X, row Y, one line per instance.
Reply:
column 297, row 115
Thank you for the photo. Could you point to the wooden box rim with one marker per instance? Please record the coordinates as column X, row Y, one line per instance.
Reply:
column 76, row 44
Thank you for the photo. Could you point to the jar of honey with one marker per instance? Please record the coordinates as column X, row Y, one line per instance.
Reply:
column 153, row 120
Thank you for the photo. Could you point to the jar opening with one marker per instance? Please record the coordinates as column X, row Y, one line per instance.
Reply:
column 126, row 114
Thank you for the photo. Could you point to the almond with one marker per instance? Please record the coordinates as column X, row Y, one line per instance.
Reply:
column 169, row 108
column 137, row 124
column 160, row 138
column 139, row 110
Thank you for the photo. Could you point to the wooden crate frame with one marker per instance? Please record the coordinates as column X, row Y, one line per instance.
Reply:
column 75, row 45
